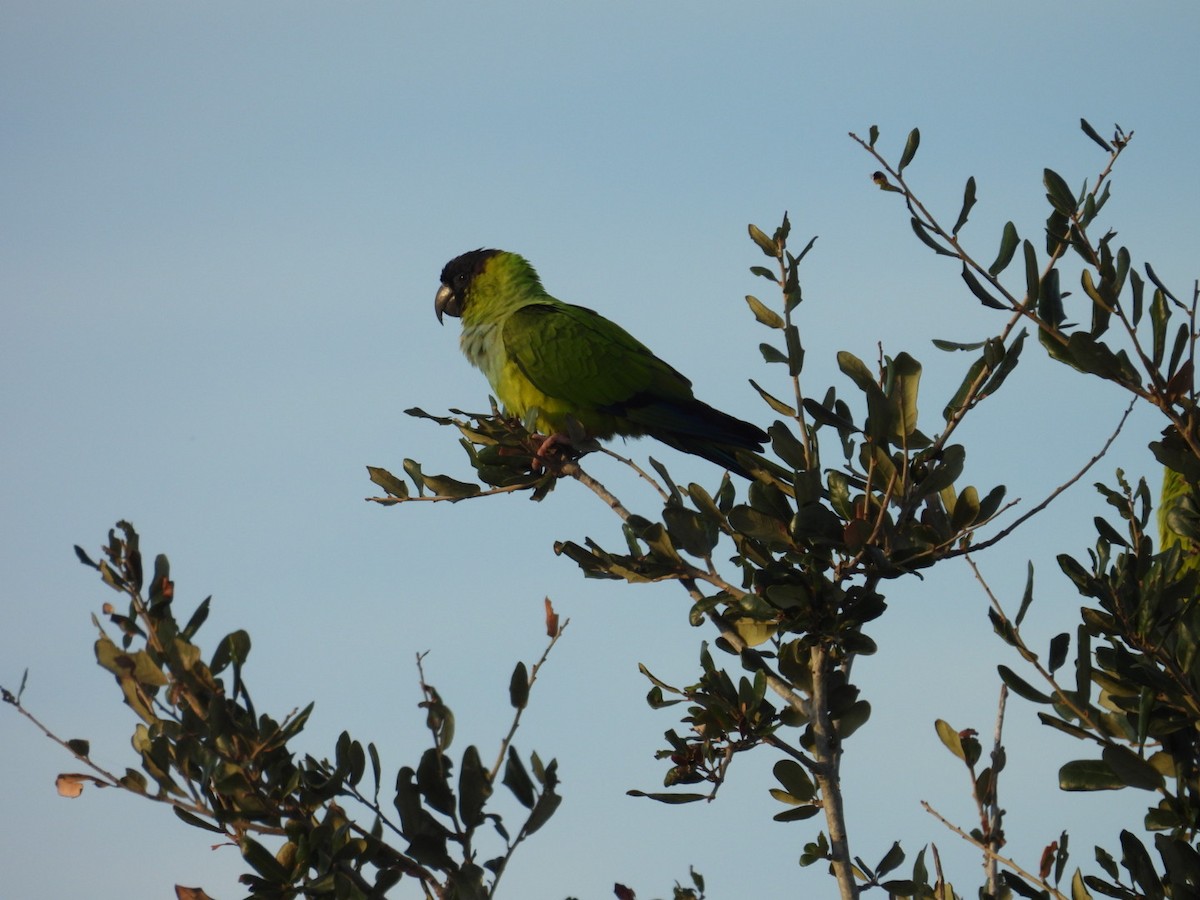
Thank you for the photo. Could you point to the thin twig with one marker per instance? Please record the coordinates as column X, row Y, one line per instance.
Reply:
column 642, row 473
column 1053, row 495
column 1002, row 860
column 533, row 674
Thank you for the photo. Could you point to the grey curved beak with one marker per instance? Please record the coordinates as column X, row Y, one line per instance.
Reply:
column 445, row 303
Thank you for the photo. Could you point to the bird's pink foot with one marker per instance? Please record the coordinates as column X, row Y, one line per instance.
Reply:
column 548, row 446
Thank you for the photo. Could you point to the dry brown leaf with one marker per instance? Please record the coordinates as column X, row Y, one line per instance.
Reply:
column 69, row 784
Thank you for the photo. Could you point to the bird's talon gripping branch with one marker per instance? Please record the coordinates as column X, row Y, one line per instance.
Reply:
column 558, row 439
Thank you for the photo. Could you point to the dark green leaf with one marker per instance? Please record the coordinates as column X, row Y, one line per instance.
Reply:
column 1108, row 533
column 1088, row 775
column 1150, row 273
column 910, row 149
column 393, row 486
column 1059, row 193
column 198, row 618
column 474, row 789
column 968, row 202
column 795, row 780
column 822, row 415
column 518, row 686
column 433, row 773
column 445, row 486
column 1008, row 246
column 263, row 861
column 1135, row 858
column 196, row 821
column 904, row 379
column 517, row 779
column 1027, row 597
column 1033, row 280
column 1010, row 356
column 891, row 859
column 1083, row 664
column 1019, row 886
column 763, row 313
column 980, row 291
column 774, row 402
column 1059, row 645
column 1020, row 686
column 795, row 814
column 1131, row 768
column 967, row 389
column 234, row 648
column 412, row 468
column 765, row 244
column 546, row 804
column 922, row 232
column 669, row 798
column 787, row 446
column 954, row 345
column 947, row 470
column 791, row 337
column 1091, row 132
column 771, row 354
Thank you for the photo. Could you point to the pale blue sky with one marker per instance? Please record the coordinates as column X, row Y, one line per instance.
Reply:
column 222, row 230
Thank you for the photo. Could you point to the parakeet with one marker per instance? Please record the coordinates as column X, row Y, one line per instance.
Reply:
column 567, row 360
column 1178, row 517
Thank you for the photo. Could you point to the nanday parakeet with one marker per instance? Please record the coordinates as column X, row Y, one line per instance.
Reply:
column 1178, row 518
column 537, row 351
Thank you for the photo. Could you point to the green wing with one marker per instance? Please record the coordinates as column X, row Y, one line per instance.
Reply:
column 580, row 357
column 612, row 384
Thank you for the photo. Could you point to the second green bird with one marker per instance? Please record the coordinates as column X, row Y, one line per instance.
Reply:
column 567, row 360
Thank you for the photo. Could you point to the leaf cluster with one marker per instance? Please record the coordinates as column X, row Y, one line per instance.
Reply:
column 224, row 767
column 1135, row 692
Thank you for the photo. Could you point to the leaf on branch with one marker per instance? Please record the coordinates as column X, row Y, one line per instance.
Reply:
column 1008, row 247
column 1088, row 775
column 1094, row 135
column 668, row 798
column 910, row 149
column 552, row 628
column 774, row 402
column 951, row 346
column 764, row 243
column 1020, row 686
column 980, row 291
column 70, row 784
column 968, row 202
column 921, row 231
column 1059, row 645
column 518, row 686
column 79, row 747
column 395, row 487
column 445, row 486
column 195, row 821
column 1058, row 192
column 798, row 787
column 1150, row 273
column 763, row 313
